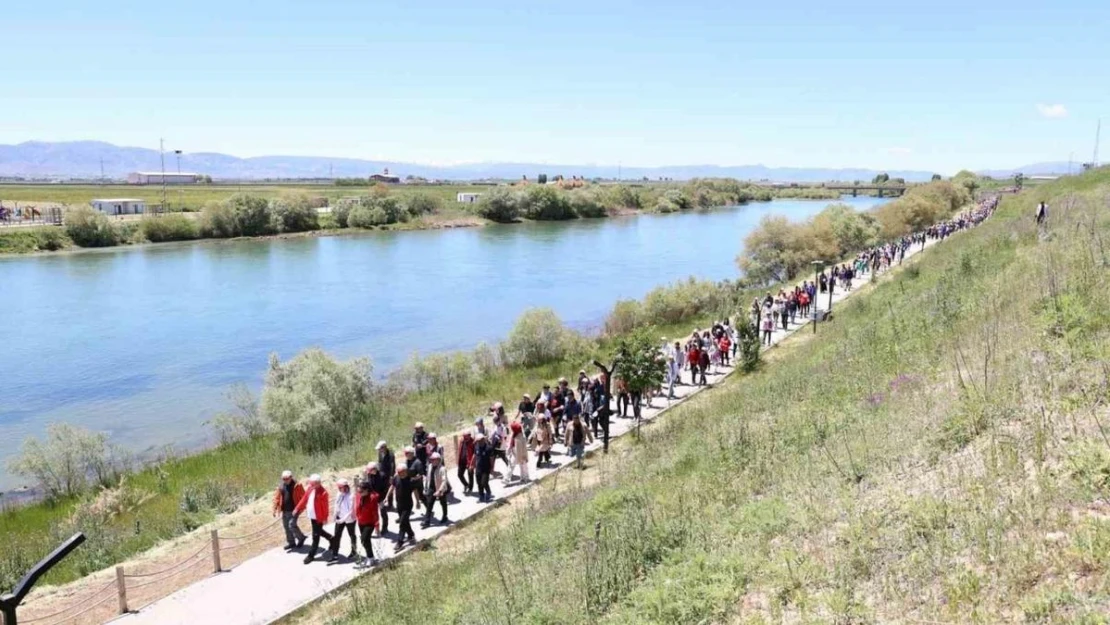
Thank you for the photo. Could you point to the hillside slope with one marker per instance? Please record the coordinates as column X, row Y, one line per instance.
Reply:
column 940, row 453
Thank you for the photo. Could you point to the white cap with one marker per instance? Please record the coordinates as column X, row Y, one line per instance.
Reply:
column 436, row 456
column 419, row 424
column 432, row 435
column 372, row 465
column 342, row 482
column 315, row 477
column 285, row 474
column 410, row 450
column 380, row 444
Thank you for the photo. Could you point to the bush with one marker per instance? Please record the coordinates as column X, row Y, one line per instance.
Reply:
column 342, row 210
column 545, row 203
column 423, row 204
column 294, row 212
column 22, row 240
column 367, row 217
column 314, row 400
column 501, row 205
column 586, row 204
column 252, row 215
column 539, row 337
column 67, row 460
column 90, row 228
column 217, row 220
column 171, row 227
column 627, row 315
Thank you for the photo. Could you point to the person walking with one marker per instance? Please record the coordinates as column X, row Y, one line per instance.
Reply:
column 415, row 470
column 703, row 365
column 542, row 439
column 403, row 492
column 693, row 358
column 768, row 328
column 518, row 453
column 387, row 465
column 483, row 465
column 437, row 487
column 419, row 443
column 344, row 519
column 288, row 493
column 672, row 376
column 366, row 513
column 315, row 504
column 577, row 436
column 379, row 483
column 464, row 456
column 1042, row 213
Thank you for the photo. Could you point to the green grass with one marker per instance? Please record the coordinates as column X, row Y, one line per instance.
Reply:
column 939, row 453
column 26, row 240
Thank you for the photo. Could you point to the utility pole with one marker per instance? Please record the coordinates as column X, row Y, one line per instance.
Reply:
column 162, row 155
column 180, row 200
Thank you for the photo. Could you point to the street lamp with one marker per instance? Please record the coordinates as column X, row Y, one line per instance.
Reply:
column 817, row 264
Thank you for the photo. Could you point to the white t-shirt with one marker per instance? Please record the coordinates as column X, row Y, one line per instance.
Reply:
column 312, row 505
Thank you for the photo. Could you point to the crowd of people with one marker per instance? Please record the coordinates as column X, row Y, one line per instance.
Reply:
column 555, row 414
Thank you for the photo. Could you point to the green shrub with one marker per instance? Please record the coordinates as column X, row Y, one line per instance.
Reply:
column 313, row 400
column 63, row 464
column 501, row 205
column 252, row 215
column 23, row 240
column 171, row 227
column 544, row 203
column 423, row 204
column 586, row 204
column 294, row 212
column 217, row 220
column 90, row 228
column 342, row 210
column 539, row 337
column 367, row 217
column 627, row 315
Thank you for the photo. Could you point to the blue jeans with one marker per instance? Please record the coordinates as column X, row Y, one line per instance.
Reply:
column 578, row 451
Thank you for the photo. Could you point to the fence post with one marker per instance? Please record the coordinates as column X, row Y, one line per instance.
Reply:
column 216, row 551
column 121, row 586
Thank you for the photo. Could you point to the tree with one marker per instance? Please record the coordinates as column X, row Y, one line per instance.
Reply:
column 935, row 177
column 500, row 205
column 749, row 343
column 641, row 365
column 774, row 251
column 882, row 178
column 293, row 212
column 67, row 459
column 91, row 228
column 1019, row 180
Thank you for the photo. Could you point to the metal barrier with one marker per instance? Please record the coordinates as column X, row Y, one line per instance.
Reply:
column 15, row 214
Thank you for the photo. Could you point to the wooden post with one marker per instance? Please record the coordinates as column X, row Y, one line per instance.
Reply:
column 121, row 586
column 216, row 551
column 454, row 438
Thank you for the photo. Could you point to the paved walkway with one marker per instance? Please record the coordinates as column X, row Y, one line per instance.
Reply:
column 275, row 583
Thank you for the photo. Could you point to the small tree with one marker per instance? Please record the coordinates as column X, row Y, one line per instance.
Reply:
column 64, row 463
column 640, row 364
column 881, row 178
column 935, row 177
column 748, row 343
column 91, row 228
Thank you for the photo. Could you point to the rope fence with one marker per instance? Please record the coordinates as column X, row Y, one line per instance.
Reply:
column 123, row 581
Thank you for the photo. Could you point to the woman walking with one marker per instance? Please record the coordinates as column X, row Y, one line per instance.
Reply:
column 518, row 453
column 576, row 438
column 464, row 456
column 542, row 439
column 366, row 513
column 483, row 465
column 344, row 518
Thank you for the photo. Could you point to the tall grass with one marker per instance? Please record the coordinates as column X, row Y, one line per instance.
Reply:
column 938, row 454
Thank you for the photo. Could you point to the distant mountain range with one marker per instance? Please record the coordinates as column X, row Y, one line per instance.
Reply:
column 1035, row 169
column 87, row 159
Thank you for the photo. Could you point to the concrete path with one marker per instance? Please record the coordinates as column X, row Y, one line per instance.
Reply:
column 275, row 583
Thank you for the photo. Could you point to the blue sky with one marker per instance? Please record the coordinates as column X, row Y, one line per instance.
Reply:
column 937, row 86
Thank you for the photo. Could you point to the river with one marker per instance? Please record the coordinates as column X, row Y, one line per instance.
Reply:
column 144, row 342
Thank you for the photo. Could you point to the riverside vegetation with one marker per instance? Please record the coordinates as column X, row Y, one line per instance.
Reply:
column 938, row 454
column 128, row 507
column 293, row 211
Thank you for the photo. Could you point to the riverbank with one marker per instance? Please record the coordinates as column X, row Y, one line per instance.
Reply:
column 282, row 212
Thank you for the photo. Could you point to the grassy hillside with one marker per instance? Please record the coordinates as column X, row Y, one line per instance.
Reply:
column 940, row 453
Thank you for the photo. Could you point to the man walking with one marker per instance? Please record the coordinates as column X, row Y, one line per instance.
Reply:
column 366, row 513
column 436, row 488
column 288, row 493
column 315, row 502
column 387, row 466
column 379, row 484
column 403, row 492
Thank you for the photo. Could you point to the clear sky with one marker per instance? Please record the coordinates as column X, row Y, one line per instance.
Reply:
column 925, row 85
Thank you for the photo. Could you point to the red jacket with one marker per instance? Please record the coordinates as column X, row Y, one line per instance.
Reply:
column 366, row 509
column 464, row 455
column 321, row 503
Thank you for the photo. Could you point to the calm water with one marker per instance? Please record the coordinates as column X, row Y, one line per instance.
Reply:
column 144, row 343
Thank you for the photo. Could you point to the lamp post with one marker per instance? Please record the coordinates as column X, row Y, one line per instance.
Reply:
column 816, row 271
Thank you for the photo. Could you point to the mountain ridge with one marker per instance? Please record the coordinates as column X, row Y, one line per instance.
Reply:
column 86, row 159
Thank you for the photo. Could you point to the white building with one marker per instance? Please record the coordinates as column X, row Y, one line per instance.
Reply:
column 467, row 198
column 155, row 177
column 120, row 206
